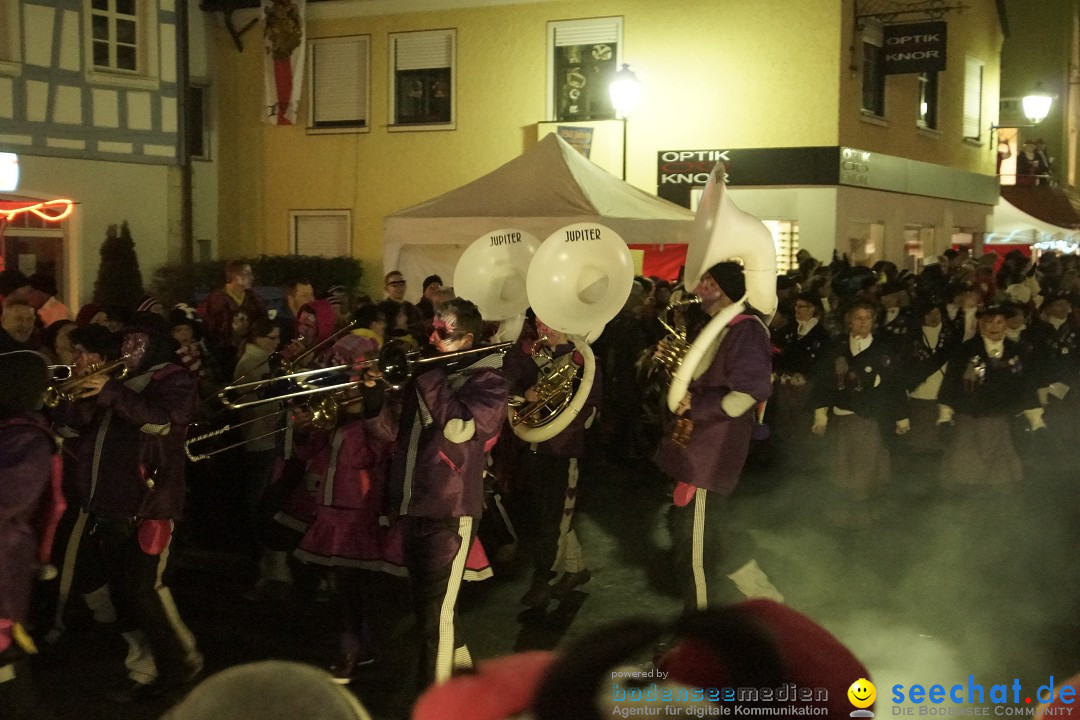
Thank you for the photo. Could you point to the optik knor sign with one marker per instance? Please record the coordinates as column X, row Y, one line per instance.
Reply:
column 914, row 48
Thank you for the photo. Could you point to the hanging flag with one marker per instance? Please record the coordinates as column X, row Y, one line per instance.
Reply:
column 283, row 65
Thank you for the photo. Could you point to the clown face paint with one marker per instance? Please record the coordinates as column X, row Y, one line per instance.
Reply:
column 134, row 348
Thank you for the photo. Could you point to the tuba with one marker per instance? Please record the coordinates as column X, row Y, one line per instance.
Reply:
column 723, row 232
column 492, row 273
column 579, row 279
column 675, row 342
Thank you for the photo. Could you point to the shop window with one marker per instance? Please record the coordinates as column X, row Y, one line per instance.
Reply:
column 873, row 69
column 339, row 82
column 973, row 97
column 928, row 101
column 786, row 236
column 121, row 41
column 327, row 233
column 422, row 80
column 582, row 58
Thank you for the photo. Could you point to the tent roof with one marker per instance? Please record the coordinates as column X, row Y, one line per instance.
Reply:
column 550, row 179
column 1011, row 224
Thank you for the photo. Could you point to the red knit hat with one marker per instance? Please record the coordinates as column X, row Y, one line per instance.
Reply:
column 499, row 689
column 811, row 655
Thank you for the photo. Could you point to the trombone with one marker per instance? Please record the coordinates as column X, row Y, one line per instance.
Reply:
column 395, row 364
column 324, row 416
column 71, row 389
column 281, row 365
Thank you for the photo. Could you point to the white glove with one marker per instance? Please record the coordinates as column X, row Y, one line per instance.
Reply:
column 902, row 426
column 821, row 421
column 1034, row 418
column 459, row 431
column 945, row 414
column 736, row 403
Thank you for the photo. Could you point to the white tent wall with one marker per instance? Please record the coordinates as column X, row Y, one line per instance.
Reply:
column 1013, row 226
column 549, row 186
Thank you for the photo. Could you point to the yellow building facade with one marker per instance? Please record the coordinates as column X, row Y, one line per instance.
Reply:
column 769, row 75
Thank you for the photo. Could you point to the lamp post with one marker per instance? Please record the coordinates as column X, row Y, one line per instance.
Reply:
column 625, row 90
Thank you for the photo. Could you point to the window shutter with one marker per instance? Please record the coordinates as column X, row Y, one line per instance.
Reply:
column 973, row 80
column 339, row 83
column 321, row 233
column 603, row 30
column 421, row 51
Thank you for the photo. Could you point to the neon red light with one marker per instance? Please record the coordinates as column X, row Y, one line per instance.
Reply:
column 51, row 210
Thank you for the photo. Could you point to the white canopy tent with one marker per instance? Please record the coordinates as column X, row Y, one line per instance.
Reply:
column 1013, row 226
column 548, row 186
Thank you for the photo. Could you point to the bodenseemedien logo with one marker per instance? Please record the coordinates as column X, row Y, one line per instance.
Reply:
column 862, row 694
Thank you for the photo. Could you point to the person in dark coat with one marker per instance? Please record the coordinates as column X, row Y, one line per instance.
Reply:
column 707, row 441
column 924, row 357
column 30, row 505
column 546, row 482
column 229, row 311
column 1054, row 339
column 987, row 383
column 131, row 481
column 862, row 392
column 449, row 415
column 801, row 348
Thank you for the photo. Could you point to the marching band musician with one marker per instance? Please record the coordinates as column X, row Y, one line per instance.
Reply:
column 986, row 383
column 707, row 443
column 346, row 534
column 861, row 388
column 30, row 504
column 446, row 419
column 802, row 347
column 131, row 480
column 547, row 474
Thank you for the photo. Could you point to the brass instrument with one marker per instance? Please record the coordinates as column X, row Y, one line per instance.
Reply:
column 574, row 288
column 555, row 388
column 72, row 388
column 670, row 355
column 325, row 412
column 395, row 364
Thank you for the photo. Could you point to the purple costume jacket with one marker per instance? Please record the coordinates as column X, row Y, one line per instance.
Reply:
column 718, row 447
column 522, row 372
column 431, row 476
column 131, row 453
column 26, row 461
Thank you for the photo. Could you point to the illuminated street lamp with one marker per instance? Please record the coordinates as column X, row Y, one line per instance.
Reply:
column 1037, row 105
column 625, row 90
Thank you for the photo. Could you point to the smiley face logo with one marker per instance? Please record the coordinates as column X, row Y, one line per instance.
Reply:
column 862, row 693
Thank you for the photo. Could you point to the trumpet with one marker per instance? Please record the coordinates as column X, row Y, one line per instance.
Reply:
column 325, row 412
column 394, row 363
column 71, row 389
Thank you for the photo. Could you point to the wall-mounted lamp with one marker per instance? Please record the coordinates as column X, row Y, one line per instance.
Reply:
column 1036, row 106
column 625, row 90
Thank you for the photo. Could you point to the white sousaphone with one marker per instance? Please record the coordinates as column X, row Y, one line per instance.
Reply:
column 492, row 273
column 724, row 232
column 579, row 280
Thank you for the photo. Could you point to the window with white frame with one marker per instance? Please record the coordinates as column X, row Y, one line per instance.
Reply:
column 121, row 41
column 973, row 98
column 583, row 55
column 327, row 233
column 422, row 80
column 873, row 69
column 10, row 45
column 339, row 82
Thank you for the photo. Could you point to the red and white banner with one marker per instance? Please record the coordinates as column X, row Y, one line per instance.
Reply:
column 283, row 62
